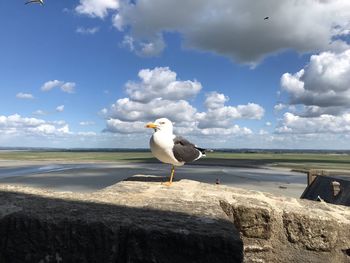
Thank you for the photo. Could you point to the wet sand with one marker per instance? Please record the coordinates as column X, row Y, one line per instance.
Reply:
column 89, row 176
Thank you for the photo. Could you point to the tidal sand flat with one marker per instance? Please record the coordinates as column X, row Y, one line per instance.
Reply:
column 89, row 171
column 89, row 177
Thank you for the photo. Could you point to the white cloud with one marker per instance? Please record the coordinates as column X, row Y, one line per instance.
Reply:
column 87, row 134
column 322, row 86
column 87, row 30
column 118, row 22
column 314, row 125
column 222, row 117
column 86, row 123
column 17, row 125
column 268, row 123
column 103, row 112
column 39, row 112
column 128, row 42
column 232, row 130
column 160, row 94
column 128, row 110
column 49, row 85
column 22, row 95
column 152, row 47
column 21, row 131
column 67, row 87
column 292, row 83
column 125, row 127
column 263, row 132
column 279, row 107
column 60, row 108
column 215, row 100
column 237, row 29
column 161, row 83
column 96, row 8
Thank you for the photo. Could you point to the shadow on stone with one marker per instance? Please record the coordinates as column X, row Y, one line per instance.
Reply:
column 346, row 252
column 44, row 229
column 150, row 178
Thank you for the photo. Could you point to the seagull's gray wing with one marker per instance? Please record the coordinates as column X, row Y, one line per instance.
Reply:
column 184, row 151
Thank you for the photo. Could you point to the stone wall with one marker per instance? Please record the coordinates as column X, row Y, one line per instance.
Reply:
column 288, row 230
column 141, row 220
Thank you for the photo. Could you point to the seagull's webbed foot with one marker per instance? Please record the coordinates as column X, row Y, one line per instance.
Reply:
column 171, row 177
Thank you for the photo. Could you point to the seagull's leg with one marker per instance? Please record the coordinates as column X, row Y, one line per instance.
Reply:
column 171, row 176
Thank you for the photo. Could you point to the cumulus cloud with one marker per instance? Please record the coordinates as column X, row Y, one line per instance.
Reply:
column 49, row 85
column 16, row 124
column 219, row 115
column 17, row 130
column 161, row 83
column 232, row 130
column 125, row 127
column 160, row 94
column 278, row 107
column 318, row 97
column 322, row 86
column 150, row 48
column 87, row 30
column 96, row 8
column 215, row 100
column 314, row 125
column 22, row 95
column 236, row 29
column 60, row 108
column 67, row 87
column 129, row 110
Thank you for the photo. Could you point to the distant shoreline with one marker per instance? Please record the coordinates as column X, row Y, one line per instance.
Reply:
column 220, row 150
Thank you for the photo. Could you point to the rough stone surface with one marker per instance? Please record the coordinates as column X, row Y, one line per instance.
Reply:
column 317, row 234
column 141, row 220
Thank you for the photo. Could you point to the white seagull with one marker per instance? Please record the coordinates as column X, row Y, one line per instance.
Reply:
column 171, row 149
column 35, row 1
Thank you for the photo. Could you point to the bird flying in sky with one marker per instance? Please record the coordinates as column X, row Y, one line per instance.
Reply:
column 266, row 18
column 35, row 1
column 172, row 149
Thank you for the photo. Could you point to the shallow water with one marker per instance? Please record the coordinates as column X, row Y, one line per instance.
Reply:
column 91, row 177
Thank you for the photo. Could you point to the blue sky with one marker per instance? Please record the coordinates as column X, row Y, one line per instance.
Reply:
column 92, row 73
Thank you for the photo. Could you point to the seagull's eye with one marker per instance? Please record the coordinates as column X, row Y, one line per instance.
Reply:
column 162, row 122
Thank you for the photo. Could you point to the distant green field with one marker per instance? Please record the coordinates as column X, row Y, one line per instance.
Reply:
column 297, row 161
column 74, row 156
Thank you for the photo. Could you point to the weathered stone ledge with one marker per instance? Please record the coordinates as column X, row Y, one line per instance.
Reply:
column 141, row 220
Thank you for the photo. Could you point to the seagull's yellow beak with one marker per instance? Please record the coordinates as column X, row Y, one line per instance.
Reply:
column 151, row 125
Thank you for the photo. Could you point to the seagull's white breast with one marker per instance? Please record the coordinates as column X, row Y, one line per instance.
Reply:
column 161, row 144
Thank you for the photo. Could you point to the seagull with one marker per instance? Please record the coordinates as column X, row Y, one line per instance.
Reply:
column 266, row 18
column 171, row 149
column 35, row 1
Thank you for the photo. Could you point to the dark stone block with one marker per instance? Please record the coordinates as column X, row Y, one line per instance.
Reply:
column 49, row 230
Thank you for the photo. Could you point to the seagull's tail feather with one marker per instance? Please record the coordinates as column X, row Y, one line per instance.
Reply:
column 203, row 151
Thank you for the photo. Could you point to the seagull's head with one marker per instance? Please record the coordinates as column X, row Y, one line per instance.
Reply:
column 162, row 124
